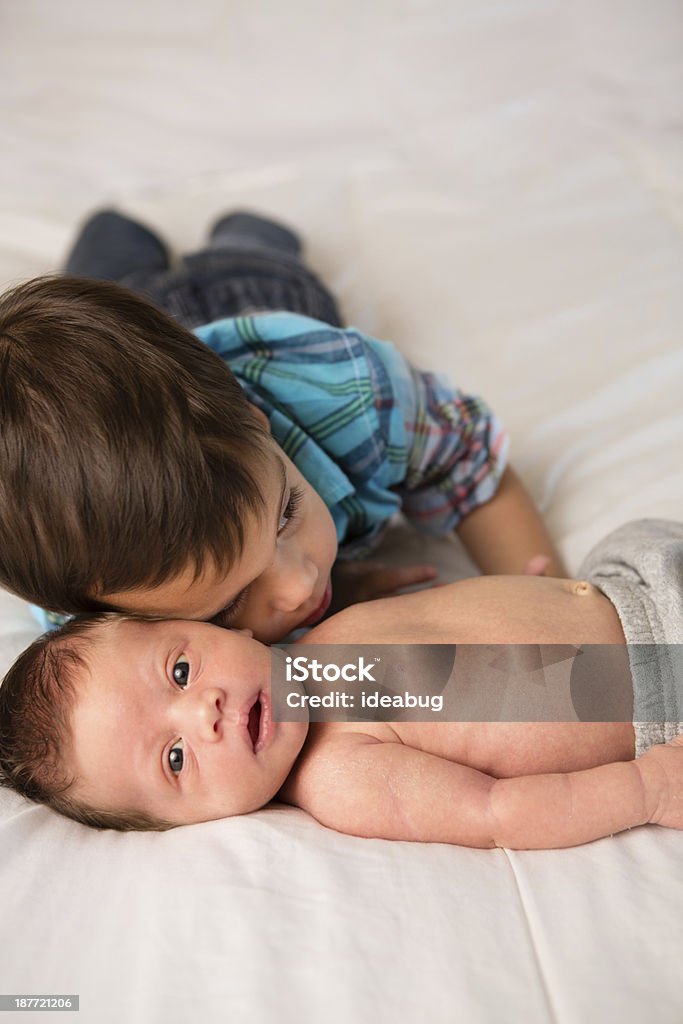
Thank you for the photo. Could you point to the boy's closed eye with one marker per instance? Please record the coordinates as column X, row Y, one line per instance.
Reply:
column 226, row 615
column 292, row 509
column 289, row 515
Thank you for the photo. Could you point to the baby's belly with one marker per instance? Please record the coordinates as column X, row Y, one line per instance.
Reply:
column 518, row 609
column 514, row 709
column 514, row 611
column 509, row 749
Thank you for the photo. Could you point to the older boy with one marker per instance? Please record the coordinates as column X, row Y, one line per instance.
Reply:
column 138, row 473
column 130, row 724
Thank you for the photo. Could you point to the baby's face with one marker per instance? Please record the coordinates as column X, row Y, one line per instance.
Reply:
column 173, row 719
column 282, row 580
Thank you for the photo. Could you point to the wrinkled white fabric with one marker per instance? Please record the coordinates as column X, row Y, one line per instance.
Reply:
column 495, row 187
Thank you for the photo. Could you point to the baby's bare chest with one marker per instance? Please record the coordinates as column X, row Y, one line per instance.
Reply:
column 500, row 749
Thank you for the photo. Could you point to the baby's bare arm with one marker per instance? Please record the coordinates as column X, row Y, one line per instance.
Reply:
column 661, row 769
column 390, row 791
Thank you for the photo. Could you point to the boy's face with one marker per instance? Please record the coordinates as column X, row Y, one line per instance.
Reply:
column 173, row 719
column 282, row 580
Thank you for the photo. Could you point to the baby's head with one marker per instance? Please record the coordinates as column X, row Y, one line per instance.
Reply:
column 123, row 723
column 136, row 476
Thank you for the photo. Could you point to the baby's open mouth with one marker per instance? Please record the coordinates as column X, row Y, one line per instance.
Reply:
column 254, row 723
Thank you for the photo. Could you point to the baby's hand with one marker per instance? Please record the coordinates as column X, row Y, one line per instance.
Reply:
column 661, row 770
column 353, row 582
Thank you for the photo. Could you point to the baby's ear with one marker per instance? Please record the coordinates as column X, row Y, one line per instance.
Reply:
column 261, row 417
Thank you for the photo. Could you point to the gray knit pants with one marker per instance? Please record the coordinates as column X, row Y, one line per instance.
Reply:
column 639, row 567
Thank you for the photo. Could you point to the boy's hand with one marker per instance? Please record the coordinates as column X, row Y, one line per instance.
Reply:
column 661, row 770
column 537, row 566
column 353, row 582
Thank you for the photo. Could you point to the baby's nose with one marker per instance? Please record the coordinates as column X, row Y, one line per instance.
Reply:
column 205, row 713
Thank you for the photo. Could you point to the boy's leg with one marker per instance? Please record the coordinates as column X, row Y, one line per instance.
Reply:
column 110, row 247
column 251, row 264
column 247, row 230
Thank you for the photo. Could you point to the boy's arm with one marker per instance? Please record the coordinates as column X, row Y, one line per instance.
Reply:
column 389, row 791
column 504, row 535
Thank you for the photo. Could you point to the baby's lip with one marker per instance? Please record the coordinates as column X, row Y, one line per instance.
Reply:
column 257, row 721
column 321, row 609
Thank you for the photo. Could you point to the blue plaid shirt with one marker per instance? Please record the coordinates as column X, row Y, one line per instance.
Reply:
column 370, row 433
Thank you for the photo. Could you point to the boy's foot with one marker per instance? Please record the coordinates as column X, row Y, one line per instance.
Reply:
column 111, row 246
column 246, row 230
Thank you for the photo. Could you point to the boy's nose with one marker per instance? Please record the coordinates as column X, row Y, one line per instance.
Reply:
column 294, row 585
column 202, row 713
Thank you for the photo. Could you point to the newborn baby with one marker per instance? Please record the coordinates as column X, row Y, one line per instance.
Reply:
column 170, row 722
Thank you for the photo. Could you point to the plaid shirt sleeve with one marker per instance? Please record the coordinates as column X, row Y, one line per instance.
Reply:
column 456, row 449
column 368, row 431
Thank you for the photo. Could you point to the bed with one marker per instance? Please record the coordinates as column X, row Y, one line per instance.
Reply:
column 496, row 188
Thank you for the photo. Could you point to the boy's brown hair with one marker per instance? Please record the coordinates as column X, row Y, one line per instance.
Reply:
column 128, row 449
column 36, row 700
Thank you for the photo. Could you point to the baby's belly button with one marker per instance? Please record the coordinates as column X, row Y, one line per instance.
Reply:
column 581, row 588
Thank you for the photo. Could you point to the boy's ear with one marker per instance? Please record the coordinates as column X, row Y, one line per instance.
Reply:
column 261, row 417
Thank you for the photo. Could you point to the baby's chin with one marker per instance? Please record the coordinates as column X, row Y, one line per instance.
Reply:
column 238, row 808
column 223, row 813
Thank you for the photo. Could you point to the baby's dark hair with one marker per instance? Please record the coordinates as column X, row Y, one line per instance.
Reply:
column 36, row 699
column 128, row 450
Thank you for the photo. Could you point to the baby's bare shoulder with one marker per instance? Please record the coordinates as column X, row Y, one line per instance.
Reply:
column 332, row 765
column 329, row 741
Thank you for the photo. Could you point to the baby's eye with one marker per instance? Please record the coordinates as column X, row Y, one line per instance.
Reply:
column 176, row 757
column 181, row 671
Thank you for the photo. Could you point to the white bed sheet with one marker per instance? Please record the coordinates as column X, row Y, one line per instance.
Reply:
column 495, row 187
